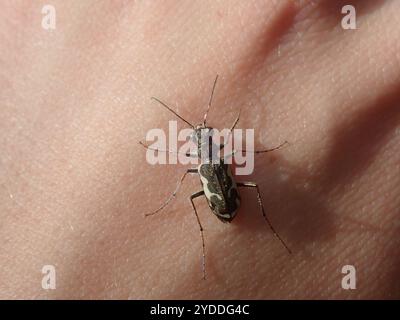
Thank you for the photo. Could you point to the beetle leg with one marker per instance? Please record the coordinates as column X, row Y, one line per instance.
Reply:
column 193, row 196
column 192, row 170
column 256, row 151
column 236, row 121
column 266, row 150
column 230, row 155
column 191, row 155
column 222, row 145
column 187, row 154
column 254, row 185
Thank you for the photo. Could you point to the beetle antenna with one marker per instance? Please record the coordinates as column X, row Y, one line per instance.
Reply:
column 165, row 105
column 209, row 103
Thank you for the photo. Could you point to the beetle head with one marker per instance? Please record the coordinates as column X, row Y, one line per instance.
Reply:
column 201, row 134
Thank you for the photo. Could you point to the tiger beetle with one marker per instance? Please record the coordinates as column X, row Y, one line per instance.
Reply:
column 219, row 186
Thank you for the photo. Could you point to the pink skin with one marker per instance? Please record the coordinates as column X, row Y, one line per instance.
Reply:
column 74, row 184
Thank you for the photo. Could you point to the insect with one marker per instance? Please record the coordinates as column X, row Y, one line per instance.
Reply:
column 218, row 184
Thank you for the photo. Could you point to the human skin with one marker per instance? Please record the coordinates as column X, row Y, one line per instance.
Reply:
column 75, row 184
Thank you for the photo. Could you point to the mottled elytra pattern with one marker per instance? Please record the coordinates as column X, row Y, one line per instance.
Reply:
column 219, row 186
column 220, row 189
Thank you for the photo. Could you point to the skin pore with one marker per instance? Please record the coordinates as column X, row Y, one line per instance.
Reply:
column 75, row 184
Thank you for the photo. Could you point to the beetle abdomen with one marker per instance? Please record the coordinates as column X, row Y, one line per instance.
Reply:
column 220, row 190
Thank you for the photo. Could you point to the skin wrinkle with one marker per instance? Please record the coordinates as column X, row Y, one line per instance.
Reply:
column 79, row 110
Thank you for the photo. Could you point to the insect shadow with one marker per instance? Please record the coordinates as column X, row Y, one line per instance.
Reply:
column 334, row 8
column 218, row 184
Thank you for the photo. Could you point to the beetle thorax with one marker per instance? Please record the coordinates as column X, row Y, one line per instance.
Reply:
column 202, row 136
